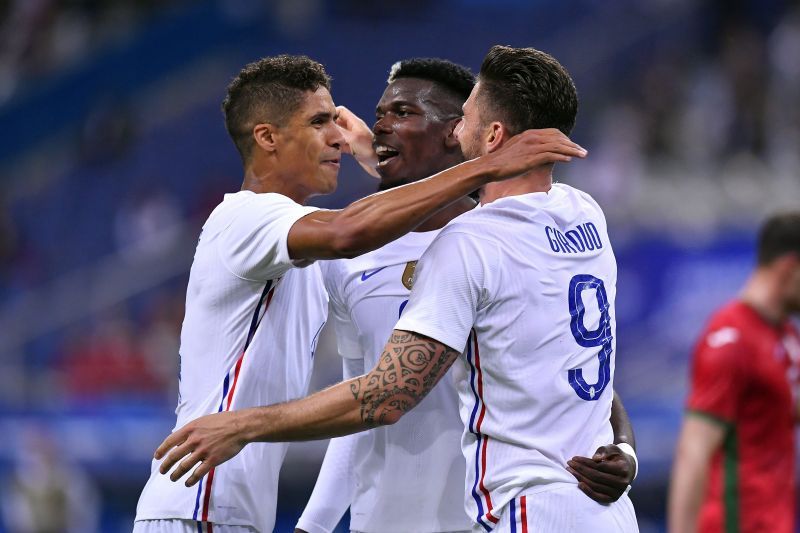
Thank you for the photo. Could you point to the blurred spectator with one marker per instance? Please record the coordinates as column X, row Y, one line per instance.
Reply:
column 108, row 363
column 45, row 494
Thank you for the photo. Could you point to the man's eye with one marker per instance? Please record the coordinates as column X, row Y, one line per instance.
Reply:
column 402, row 113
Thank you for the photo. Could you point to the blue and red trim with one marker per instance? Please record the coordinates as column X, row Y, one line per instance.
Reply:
column 231, row 378
column 205, row 527
column 479, row 492
column 522, row 519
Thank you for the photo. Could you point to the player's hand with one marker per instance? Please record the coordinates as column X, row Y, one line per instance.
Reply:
column 298, row 530
column 358, row 139
column 209, row 440
column 529, row 149
column 606, row 475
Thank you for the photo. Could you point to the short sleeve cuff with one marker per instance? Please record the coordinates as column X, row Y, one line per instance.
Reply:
column 711, row 417
column 431, row 330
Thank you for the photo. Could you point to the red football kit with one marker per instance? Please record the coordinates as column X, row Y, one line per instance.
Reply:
column 743, row 373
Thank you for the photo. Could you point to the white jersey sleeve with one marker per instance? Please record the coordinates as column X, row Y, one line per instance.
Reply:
column 333, row 491
column 253, row 246
column 346, row 333
column 453, row 280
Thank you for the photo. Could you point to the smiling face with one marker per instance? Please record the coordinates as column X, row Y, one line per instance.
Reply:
column 414, row 118
column 309, row 146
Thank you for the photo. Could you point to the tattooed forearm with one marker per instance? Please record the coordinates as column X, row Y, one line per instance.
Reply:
column 408, row 369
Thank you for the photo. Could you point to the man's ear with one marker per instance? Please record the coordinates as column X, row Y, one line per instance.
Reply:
column 264, row 136
column 451, row 140
column 496, row 135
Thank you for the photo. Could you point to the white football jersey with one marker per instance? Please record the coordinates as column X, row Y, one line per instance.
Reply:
column 408, row 476
column 248, row 339
column 525, row 286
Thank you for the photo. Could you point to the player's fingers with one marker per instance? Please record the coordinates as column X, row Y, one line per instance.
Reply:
column 174, row 456
column 600, row 498
column 615, row 465
column 570, row 148
column 170, row 442
column 346, row 118
column 561, row 149
column 202, row 469
column 612, row 472
column 617, row 479
column 550, row 157
column 600, row 488
column 547, row 136
column 184, row 466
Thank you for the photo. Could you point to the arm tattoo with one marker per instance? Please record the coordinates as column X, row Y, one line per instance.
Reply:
column 408, row 369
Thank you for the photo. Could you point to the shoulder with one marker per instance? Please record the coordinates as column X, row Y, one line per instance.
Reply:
column 725, row 335
column 474, row 226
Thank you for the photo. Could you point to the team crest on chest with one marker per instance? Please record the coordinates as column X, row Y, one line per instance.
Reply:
column 408, row 274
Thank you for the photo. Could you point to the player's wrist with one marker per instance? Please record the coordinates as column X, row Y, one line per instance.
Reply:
column 628, row 450
column 251, row 424
column 479, row 171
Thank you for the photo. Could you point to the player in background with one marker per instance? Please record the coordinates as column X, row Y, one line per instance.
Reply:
column 417, row 463
column 523, row 289
column 252, row 317
column 735, row 460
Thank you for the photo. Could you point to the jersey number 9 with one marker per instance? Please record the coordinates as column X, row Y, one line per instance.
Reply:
column 590, row 339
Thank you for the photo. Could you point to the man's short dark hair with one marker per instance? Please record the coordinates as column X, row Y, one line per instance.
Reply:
column 525, row 88
column 446, row 74
column 269, row 90
column 779, row 235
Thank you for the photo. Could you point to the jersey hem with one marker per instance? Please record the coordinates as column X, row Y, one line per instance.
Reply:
column 190, row 517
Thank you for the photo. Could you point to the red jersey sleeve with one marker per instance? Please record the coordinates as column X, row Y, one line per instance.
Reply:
column 718, row 373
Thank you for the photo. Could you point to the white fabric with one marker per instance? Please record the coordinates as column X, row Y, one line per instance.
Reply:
column 185, row 526
column 563, row 508
column 409, row 476
column 241, row 251
column 503, row 272
column 333, row 491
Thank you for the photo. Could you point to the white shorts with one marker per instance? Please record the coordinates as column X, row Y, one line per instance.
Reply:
column 565, row 509
column 177, row 525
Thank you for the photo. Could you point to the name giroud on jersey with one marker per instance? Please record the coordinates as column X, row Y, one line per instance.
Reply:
column 581, row 238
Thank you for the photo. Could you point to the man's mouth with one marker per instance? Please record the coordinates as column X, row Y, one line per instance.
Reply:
column 332, row 161
column 385, row 153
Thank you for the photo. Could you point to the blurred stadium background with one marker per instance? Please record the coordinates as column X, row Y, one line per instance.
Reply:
column 113, row 152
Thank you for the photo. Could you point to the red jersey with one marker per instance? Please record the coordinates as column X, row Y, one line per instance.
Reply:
column 740, row 378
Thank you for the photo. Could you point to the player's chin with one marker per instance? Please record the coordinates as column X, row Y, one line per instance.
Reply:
column 392, row 175
column 328, row 178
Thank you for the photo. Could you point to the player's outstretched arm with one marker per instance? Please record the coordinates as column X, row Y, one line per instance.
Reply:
column 607, row 474
column 700, row 437
column 380, row 218
column 408, row 369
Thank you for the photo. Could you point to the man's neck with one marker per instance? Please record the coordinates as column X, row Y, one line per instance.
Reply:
column 440, row 219
column 762, row 294
column 263, row 182
column 536, row 180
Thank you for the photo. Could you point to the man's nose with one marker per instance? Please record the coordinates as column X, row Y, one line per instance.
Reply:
column 382, row 125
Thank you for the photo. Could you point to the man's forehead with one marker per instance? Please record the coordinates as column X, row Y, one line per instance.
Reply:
column 319, row 101
column 408, row 89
